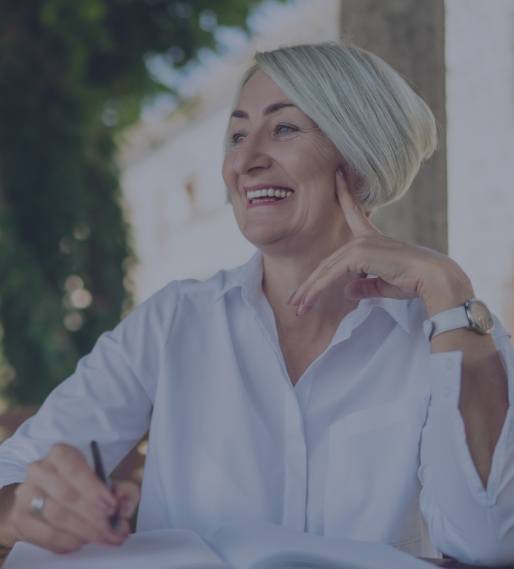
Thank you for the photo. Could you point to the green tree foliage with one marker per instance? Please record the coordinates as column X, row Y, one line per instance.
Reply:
column 64, row 245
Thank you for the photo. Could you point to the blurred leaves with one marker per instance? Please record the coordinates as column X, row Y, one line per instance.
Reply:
column 71, row 75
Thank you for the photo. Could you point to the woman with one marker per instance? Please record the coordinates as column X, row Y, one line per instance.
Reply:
column 300, row 388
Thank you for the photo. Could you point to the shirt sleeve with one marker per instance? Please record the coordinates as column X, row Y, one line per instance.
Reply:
column 466, row 521
column 108, row 398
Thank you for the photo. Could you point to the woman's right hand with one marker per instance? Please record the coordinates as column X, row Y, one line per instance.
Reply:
column 77, row 505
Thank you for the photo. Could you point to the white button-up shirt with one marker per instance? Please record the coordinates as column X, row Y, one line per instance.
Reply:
column 369, row 444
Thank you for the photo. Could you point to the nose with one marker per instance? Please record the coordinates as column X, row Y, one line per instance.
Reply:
column 252, row 155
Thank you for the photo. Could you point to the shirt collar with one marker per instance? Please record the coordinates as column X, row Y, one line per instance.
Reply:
column 248, row 277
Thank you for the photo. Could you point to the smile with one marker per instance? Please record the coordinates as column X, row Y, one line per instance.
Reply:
column 267, row 196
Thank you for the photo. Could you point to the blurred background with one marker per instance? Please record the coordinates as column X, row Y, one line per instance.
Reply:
column 112, row 114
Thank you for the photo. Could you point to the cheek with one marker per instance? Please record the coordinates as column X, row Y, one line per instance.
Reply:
column 313, row 160
column 227, row 172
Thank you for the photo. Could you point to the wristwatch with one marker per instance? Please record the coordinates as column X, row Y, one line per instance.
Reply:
column 473, row 314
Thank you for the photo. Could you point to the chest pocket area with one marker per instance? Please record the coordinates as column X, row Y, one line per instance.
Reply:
column 372, row 489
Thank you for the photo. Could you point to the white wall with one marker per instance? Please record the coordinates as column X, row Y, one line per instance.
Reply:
column 480, row 109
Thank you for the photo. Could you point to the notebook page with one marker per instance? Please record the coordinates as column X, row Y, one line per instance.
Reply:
column 163, row 549
column 271, row 546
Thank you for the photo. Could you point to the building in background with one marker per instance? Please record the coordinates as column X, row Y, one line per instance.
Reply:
column 175, row 194
column 172, row 183
column 480, row 123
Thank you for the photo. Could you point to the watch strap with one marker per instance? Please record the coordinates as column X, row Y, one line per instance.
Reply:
column 445, row 321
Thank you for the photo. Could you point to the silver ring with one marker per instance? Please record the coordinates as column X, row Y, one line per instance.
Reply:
column 37, row 504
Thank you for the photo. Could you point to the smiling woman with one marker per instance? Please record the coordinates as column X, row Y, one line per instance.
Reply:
column 299, row 389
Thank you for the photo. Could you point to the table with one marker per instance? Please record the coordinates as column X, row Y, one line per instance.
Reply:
column 446, row 563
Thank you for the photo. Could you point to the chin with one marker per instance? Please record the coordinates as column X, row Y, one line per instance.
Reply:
column 262, row 238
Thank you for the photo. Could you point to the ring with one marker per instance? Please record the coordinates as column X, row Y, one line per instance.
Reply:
column 37, row 504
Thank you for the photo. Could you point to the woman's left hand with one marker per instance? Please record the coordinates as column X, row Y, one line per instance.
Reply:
column 401, row 270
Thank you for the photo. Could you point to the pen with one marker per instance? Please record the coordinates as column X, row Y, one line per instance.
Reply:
column 100, row 472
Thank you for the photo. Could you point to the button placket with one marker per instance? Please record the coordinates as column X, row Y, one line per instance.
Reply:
column 295, row 484
column 295, row 495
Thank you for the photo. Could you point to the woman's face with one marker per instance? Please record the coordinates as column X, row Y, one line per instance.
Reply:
column 273, row 144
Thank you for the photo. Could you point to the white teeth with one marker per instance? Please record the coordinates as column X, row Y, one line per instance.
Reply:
column 268, row 192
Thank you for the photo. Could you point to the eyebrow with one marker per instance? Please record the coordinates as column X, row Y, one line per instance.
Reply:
column 273, row 108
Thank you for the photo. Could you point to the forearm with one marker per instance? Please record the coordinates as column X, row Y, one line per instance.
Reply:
column 483, row 400
column 7, row 537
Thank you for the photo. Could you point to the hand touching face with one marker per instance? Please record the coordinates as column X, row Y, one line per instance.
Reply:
column 401, row 270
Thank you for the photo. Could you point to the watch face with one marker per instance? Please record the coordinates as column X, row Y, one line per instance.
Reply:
column 480, row 316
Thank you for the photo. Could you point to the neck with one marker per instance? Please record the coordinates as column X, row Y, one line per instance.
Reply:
column 284, row 274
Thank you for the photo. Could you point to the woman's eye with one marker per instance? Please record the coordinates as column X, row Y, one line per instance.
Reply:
column 234, row 138
column 288, row 127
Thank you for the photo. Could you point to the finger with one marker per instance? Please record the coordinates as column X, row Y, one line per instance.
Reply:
column 44, row 475
column 39, row 533
column 372, row 288
column 35, row 529
column 314, row 291
column 331, row 269
column 58, row 516
column 73, row 467
column 127, row 493
column 66, row 520
column 355, row 217
column 123, row 528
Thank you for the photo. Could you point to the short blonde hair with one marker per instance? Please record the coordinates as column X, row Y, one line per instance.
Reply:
column 382, row 128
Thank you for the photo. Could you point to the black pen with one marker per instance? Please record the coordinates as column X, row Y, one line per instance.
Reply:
column 100, row 472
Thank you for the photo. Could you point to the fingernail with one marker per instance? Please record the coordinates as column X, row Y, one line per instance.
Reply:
column 303, row 308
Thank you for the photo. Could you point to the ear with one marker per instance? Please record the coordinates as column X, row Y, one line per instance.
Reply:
column 342, row 168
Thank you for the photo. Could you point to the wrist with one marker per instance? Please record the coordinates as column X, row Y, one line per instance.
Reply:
column 446, row 290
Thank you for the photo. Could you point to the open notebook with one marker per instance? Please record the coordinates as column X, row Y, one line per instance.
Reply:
column 248, row 546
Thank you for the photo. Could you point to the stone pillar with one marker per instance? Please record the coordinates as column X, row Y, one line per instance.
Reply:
column 409, row 35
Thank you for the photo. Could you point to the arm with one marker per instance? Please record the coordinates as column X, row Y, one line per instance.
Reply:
column 7, row 537
column 483, row 401
column 467, row 447
column 108, row 399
